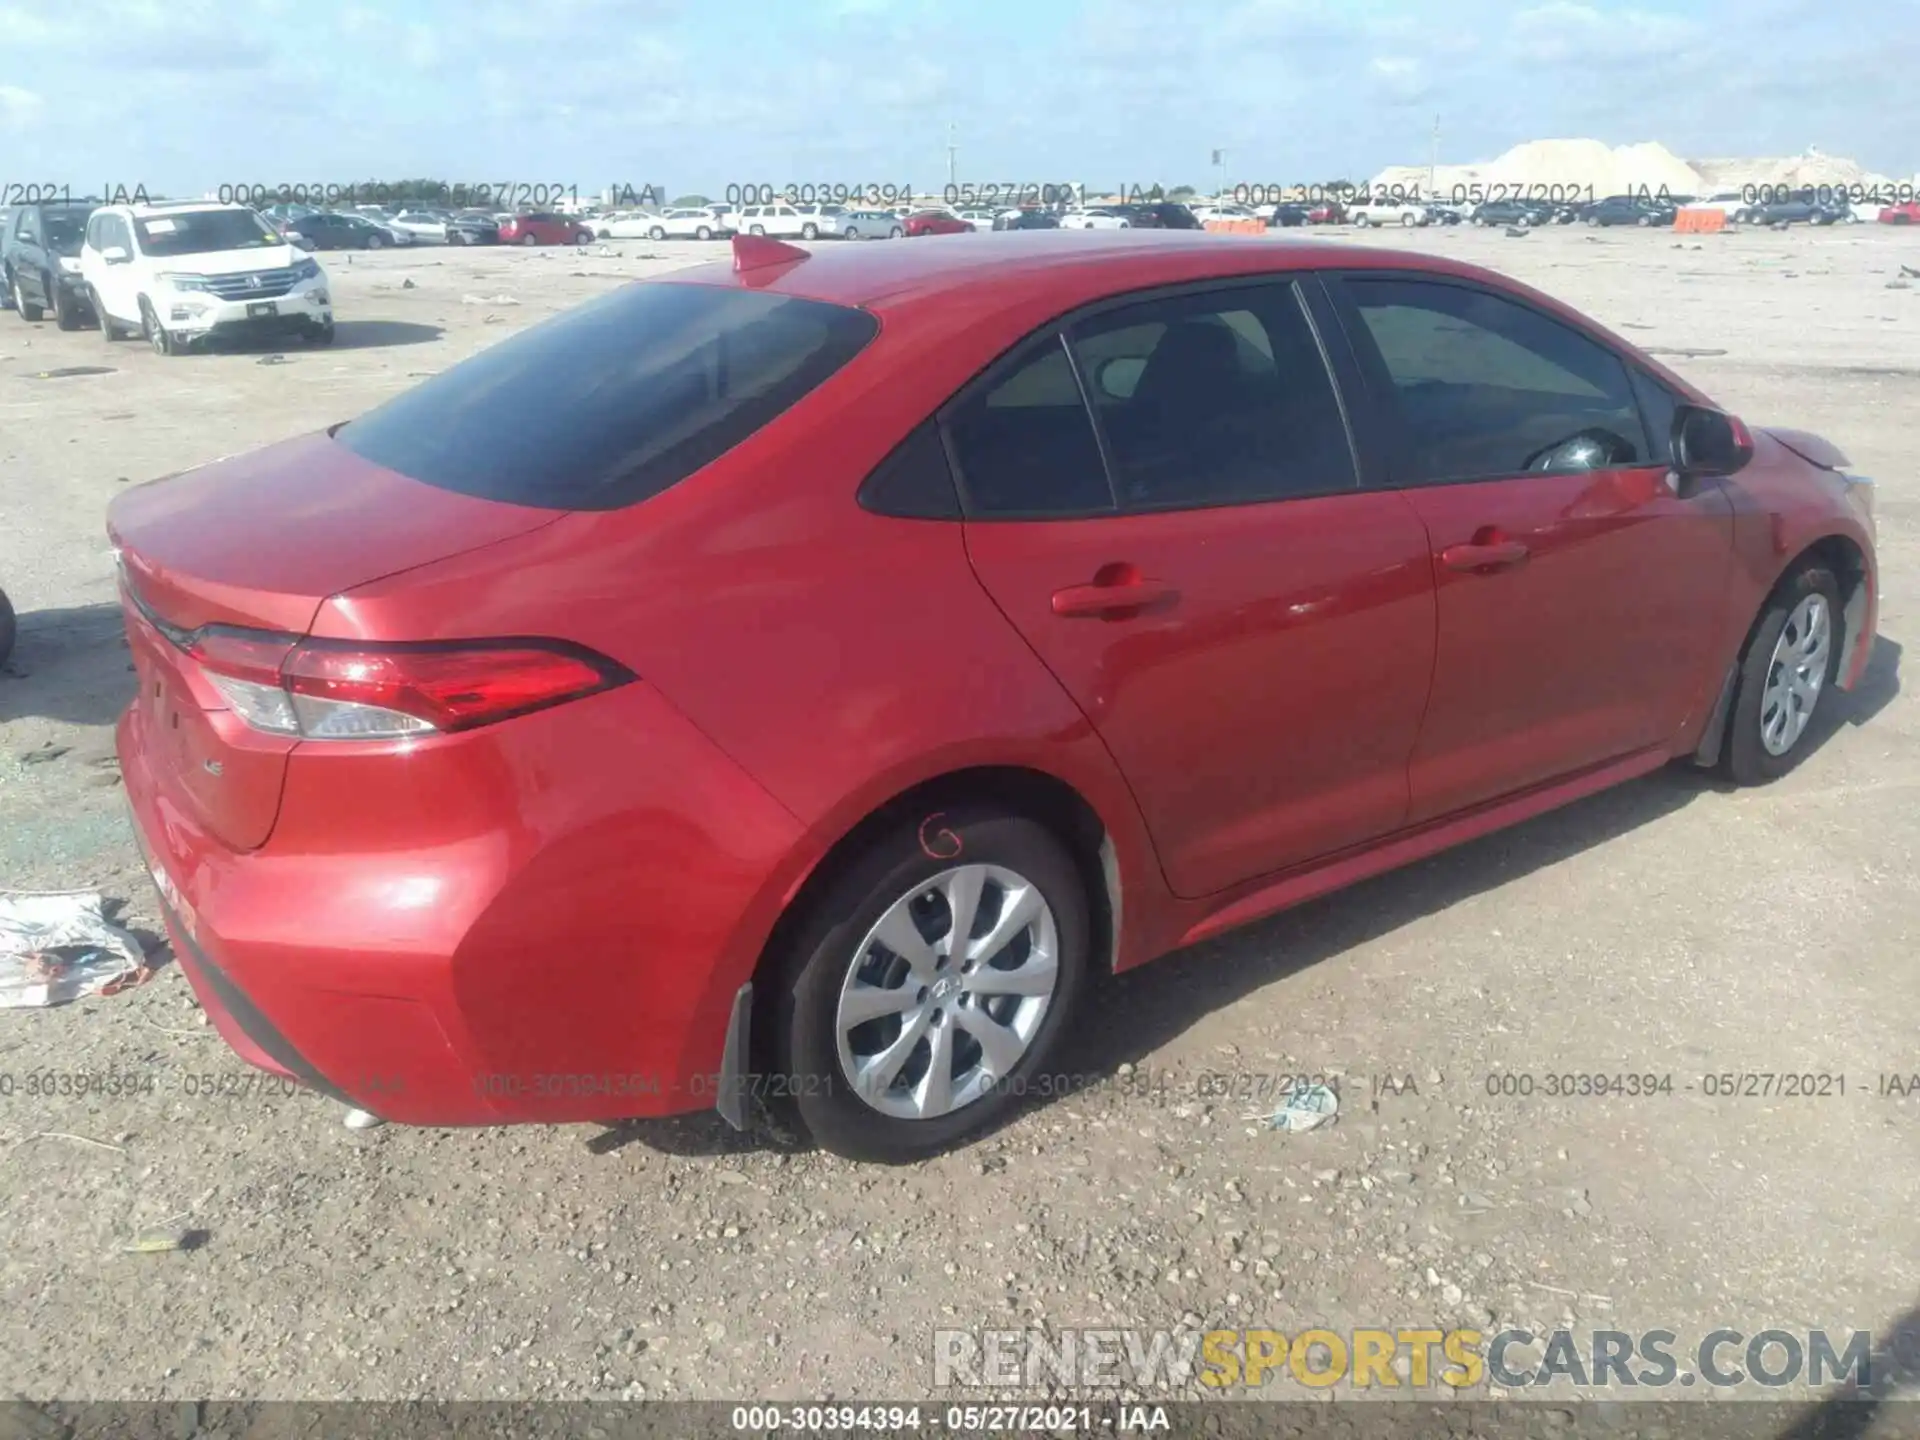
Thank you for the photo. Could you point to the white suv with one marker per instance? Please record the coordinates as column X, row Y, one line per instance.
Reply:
column 179, row 273
column 784, row 221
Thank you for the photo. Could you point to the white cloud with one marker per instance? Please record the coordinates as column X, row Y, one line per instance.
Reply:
column 20, row 108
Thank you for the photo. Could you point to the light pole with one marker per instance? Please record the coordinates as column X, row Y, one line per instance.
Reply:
column 951, row 151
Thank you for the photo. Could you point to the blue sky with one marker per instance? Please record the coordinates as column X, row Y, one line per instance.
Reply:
column 182, row 95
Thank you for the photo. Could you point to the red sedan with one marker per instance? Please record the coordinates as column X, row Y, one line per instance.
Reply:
column 801, row 677
column 937, row 222
column 1905, row 213
column 542, row 228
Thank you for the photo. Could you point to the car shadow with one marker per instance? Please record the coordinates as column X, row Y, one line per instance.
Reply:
column 376, row 334
column 347, row 335
column 1850, row 1412
column 1148, row 1007
column 68, row 664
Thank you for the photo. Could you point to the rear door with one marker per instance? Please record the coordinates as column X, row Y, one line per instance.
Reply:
column 1163, row 499
column 1578, row 595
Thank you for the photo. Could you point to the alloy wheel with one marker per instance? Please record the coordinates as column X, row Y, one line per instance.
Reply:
column 947, row 991
column 1796, row 674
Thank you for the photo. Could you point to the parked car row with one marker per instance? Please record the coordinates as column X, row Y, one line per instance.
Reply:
column 178, row 273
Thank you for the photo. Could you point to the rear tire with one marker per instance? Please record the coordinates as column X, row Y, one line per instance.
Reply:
column 896, row 232
column 809, row 231
column 703, row 233
column 1791, row 661
column 374, row 242
column 109, row 327
column 583, row 237
column 529, row 239
column 999, row 852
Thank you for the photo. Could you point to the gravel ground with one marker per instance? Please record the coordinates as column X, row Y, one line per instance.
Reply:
column 1665, row 927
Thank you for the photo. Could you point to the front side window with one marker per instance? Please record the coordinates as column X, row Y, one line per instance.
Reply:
column 1487, row 387
column 612, row 402
column 1215, row 398
column 1025, row 442
column 201, row 232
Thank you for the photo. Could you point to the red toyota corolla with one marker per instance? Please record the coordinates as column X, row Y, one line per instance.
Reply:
column 800, row 678
column 542, row 228
column 936, row 222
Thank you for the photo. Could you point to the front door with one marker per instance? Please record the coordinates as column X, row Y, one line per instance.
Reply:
column 1249, row 632
column 1579, row 597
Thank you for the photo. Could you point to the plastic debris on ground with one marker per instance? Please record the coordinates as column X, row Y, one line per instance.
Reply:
column 1304, row 1107
column 60, row 946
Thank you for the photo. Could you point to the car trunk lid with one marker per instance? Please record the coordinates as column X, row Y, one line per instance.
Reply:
column 258, row 543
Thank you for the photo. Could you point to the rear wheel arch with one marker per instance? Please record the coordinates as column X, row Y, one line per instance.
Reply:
column 1034, row 794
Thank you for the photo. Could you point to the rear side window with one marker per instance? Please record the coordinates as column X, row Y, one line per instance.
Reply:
column 1025, row 443
column 1215, row 398
column 1488, row 387
column 611, row 403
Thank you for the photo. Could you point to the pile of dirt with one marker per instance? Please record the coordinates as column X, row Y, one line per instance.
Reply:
column 1577, row 169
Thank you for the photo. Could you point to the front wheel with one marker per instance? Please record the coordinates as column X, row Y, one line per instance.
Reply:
column 157, row 335
column 932, row 984
column 809, row 231
column 703, row 233
column 1791, row 661
column 759, row 230
column 656, row 233
column 896, row 232
column 321, row 334
column 529, row 239
column 65, row 313
column 374, row 242
column 26, row 311
column 583, row 237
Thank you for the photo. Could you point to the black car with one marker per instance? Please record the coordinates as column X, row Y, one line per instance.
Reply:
column 1027, row 220
column 1628, row 210
column 1158, row 215
column 1287, row 217
column 473, row 227
column 40, row 261
column 1794, row 212
column 1512, row 212
column 329, row 231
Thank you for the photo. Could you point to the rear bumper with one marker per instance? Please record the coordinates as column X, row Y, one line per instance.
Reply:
column 504, row 942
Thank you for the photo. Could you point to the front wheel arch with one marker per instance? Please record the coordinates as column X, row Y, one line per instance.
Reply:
column 1842, row 556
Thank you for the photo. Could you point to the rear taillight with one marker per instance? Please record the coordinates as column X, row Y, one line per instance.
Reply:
column 344, row 690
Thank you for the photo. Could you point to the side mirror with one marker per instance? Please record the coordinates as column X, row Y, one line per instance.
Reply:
column 115, row 255
column 1706, row 444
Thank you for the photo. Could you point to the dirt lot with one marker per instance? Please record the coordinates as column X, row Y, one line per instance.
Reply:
column 1665, row 927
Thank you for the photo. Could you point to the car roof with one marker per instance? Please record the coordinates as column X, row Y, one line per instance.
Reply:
column 1086, row 264
column 1054, row 271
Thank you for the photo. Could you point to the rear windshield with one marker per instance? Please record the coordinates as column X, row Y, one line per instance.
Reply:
column 612, row 402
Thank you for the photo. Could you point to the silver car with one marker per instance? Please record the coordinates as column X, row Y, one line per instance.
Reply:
column 871, row 225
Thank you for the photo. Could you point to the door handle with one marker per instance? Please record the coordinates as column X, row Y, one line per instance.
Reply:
column 1484, row 558
column 1112, row 598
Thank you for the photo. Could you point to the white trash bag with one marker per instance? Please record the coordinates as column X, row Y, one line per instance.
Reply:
column 60, row 946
